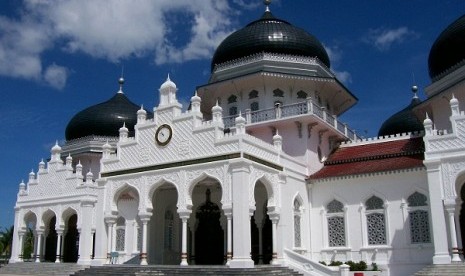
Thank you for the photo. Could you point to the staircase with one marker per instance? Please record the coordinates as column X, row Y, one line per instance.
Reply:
column 441, row 270
column 196, row 270
column 41, row 269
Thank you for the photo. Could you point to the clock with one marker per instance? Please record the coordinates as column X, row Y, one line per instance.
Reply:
column 163, row 135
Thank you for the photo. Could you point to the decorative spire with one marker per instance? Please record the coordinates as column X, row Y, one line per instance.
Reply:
column 414, row 90
column 267, row 4
column 121, row 82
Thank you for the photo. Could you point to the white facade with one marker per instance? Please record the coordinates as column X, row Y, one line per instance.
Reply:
column 228, row 182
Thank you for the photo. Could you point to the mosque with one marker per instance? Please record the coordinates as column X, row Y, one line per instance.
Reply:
column 258, row 170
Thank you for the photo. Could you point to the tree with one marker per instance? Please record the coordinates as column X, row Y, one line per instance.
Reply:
column 6, row 241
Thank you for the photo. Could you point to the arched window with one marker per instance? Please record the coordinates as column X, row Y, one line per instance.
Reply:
column 169, row 231
column 232, row 99
column 376, row 222
column 278, row 93
column 419, row 218
column 297, row 224
column 302, row 94
column 253, row 94
column 254, row 106
column 336, row 224
column 120, row 234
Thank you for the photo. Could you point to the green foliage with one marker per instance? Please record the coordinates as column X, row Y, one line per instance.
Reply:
column 335, row 263
column 28, row 247
column 6, row 240
column 374, row 267
column 322, row 262
column 360, row 266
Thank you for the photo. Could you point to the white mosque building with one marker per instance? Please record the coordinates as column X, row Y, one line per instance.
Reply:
column 259, row 170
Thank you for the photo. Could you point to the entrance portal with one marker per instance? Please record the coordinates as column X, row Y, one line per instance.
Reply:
column 51, row 242
column 71, row 243
column 209, row 236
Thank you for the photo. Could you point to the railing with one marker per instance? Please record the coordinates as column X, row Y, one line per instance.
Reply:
column 278, row 112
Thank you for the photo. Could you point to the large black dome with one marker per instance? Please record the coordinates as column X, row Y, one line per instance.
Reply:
column 403, row 121
column 104, row 119
column 448, row 49
column 272, row 35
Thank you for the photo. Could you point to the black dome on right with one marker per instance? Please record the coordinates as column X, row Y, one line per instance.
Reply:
column 448, row 50
column 403, row 121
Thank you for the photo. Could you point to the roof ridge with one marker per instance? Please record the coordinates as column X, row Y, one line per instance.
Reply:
column 373, row 157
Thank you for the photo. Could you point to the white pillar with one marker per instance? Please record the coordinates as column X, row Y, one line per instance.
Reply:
column 20, row 246
column 110, row 223
column 39, row 245
column 143, row 254
column 184, row 240
column 275, row 241
column 441, row 250
column 450, row 208
column 58, row 251
column 85, row 232
column 16, row 247
column 229, row 236
column 241, row 215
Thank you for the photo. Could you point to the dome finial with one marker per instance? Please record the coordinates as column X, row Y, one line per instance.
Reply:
column 414, row 90
column 121, row 81
column 267, row 4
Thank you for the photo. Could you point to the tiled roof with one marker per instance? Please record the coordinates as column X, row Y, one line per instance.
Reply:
column 373, row 157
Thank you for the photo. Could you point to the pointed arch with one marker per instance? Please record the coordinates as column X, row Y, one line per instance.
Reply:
column 125, row 188
column 200, row 178
column 66, row 214
column 268, row 187
column 30, row 219
column 47, row 216
column 154, row 187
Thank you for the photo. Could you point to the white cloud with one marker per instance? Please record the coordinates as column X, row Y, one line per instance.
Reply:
column 383, row 39
column 335, row 56
column 56, row 76
column 108, row 30
column 249, row 5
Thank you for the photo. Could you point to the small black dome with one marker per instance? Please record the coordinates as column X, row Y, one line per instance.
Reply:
column 272, row 35
column 448, row 49
column 403, row 121
column 104, row 119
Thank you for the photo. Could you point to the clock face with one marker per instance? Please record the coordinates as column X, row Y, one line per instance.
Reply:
column 163, row 135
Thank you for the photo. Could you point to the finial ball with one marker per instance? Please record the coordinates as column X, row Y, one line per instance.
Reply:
column 414, row 89
column 121, row 81
column 267, row 2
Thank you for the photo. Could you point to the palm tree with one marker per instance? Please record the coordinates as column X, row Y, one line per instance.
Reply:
column 6, row 240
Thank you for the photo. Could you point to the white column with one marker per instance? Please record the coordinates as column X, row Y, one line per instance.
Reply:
column 184, row 240
column 241, row 215
column 275, row 241
column 20, row 246
column 441, row 250
column 450, row 208
column 58, row 251
column 39, row 245
column 228, row 214
column 16, row 247
column 143, row 254
column 110, row 222
column 85, row 232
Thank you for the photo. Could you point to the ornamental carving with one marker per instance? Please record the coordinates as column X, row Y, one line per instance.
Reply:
column 271, row 183
column 449, row 175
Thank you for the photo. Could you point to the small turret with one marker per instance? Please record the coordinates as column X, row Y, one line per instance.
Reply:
column 141, row 116
column 69, row 162
column 41, row 166
column 32, row 177
column 56, row 153
column 217, row 113
column 22, row 188
column 278, row 141
column 89, row 178
column 240, row 124
column 428, row 125
column 106, row 150
column 79, row 170
column 123, row 133
column 454, row 106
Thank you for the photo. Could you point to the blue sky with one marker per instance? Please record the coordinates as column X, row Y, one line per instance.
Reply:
column 59, row 57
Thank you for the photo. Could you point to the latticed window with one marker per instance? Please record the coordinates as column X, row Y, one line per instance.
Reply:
column 120, row 234
column 232, row 110
column 336, row 224
column 297, row 228
column 419, row 218
column 302, row 95
column 139, row 235
column 254, row 106
column 376, row 222
column 169, row 231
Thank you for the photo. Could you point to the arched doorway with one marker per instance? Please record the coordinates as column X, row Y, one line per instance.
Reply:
column 28, row 246
column 165, row 227
column 51, row 241
column 209, row 236
column 71, row 241
column 261, row 227
column 127, row 226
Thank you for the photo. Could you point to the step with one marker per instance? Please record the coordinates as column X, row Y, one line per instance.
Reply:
column 46, row 269
column 448, row 269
